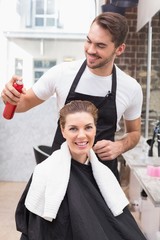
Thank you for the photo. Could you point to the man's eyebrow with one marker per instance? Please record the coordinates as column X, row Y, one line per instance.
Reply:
column 98, row 43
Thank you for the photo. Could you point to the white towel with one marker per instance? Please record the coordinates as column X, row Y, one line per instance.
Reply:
column 50, row 180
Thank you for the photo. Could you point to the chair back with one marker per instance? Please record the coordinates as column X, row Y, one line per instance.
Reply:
column 41, row 152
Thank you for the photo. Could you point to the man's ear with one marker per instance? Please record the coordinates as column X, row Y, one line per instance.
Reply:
column 120, row 49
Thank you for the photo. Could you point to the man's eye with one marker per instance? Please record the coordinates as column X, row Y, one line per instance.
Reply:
column 101, row 46
column 88, row 41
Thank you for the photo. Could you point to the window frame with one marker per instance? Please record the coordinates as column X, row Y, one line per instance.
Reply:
column 44, row 65
column 45, row 16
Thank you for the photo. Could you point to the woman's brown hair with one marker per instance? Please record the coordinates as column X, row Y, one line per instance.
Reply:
column 78, row 106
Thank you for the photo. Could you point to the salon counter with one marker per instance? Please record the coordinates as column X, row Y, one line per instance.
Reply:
column 138, row 161
column 151, row 185
column 149, row 207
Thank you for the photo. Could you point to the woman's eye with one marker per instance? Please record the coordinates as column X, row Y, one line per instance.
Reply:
column 89, row 127
column 73, row 129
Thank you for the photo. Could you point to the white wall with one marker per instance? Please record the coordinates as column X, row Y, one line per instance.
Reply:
column 28, row 50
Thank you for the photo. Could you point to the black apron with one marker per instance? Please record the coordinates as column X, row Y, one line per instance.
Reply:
column 107, row 112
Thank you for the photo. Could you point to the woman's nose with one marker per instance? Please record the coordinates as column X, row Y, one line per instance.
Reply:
column 81, row 134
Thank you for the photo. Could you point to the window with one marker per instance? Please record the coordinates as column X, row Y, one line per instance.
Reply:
column 18, row 67
column 45, row 13
column 41, row 66
column 62, row 15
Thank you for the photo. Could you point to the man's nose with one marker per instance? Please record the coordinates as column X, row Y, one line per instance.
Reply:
column 92, row 49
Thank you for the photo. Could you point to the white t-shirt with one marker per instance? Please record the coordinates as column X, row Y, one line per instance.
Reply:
column 58, row 80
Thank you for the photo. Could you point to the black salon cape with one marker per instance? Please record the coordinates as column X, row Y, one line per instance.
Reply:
column 83, row 214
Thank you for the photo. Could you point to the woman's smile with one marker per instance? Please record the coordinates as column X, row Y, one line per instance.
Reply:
column 79, row 131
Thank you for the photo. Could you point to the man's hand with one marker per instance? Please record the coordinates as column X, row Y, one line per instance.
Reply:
column 10, row 94
column 108, row 150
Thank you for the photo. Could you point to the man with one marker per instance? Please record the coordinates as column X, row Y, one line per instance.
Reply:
column 97, row 79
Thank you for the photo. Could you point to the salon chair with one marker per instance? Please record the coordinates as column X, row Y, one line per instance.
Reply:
column 41, row 152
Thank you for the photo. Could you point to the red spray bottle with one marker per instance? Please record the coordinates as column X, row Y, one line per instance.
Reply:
column 9, row 109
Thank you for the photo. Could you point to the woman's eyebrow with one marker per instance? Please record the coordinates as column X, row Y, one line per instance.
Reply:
column 71, row 125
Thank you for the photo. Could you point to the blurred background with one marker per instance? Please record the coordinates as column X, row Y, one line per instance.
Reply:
column 38, row 34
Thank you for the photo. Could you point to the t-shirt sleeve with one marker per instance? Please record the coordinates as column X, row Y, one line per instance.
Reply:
column 45, row 87
column 135, row 108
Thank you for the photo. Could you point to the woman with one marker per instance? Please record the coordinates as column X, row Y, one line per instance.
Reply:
column 72, row 195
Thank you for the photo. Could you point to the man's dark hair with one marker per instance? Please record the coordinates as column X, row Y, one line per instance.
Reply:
column 116, row 24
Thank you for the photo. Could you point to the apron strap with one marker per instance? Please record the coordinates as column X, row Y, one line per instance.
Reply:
column 76, row 80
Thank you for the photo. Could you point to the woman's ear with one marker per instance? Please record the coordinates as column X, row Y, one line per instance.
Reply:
column 62, row 131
